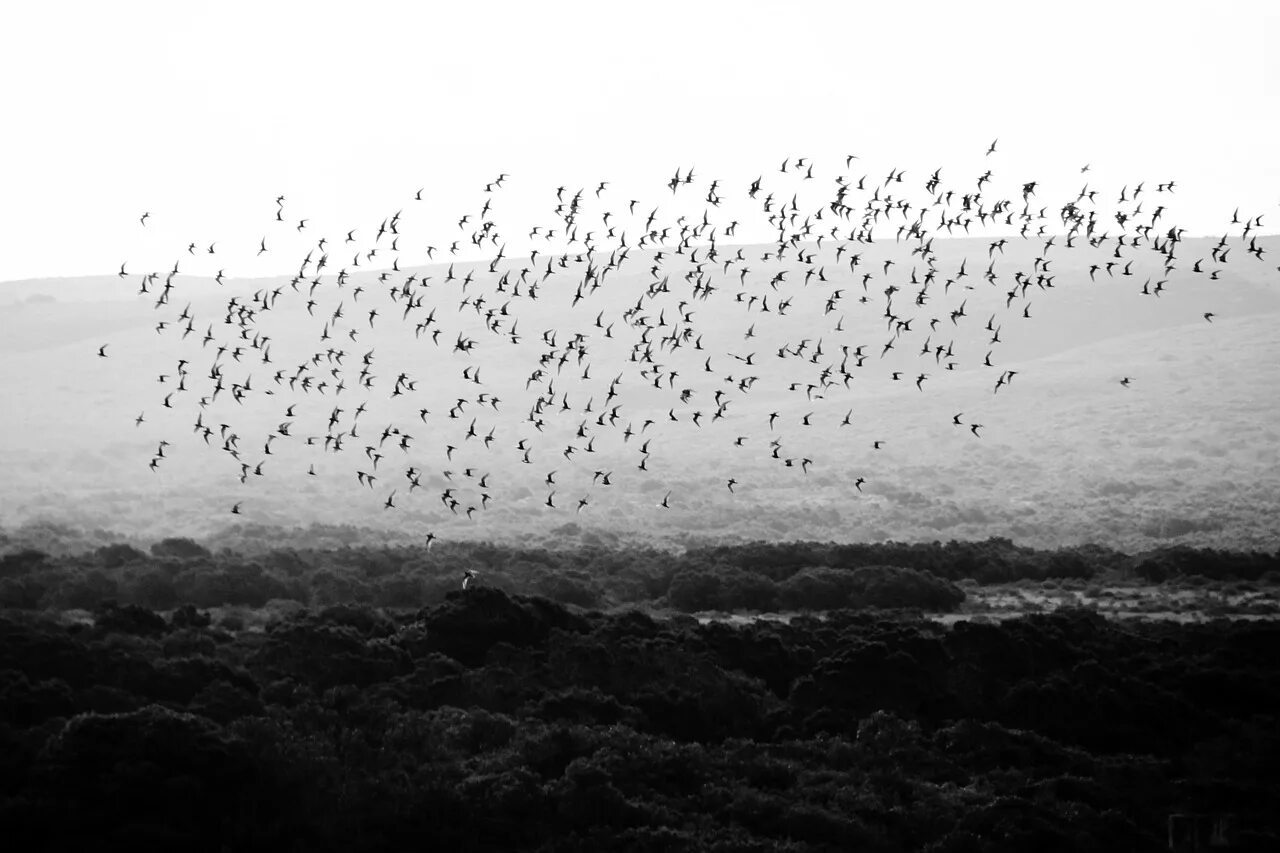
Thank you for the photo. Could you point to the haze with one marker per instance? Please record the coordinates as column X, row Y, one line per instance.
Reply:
column 202, row 115
column 206, row 119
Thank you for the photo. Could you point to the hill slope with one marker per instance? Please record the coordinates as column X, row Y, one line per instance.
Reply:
column 1064, row 453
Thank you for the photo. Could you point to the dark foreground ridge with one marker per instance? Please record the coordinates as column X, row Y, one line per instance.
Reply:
column 495, row 721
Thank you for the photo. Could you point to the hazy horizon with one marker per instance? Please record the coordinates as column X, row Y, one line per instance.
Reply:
column 919, row 274
column 203, row 117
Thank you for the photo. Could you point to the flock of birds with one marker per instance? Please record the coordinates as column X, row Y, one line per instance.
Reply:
column 626, row 327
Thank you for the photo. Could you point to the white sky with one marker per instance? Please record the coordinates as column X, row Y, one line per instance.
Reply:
column 203, row 113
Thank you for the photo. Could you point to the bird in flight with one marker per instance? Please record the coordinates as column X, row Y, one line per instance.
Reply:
column 656, row 338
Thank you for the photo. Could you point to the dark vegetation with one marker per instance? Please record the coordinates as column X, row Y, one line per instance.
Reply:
column 376, row 706
column 53, row 567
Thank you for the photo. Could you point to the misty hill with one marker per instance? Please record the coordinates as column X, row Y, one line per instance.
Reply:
column 1064, row 452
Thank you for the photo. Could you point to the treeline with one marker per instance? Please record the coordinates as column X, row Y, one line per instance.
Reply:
column 497, row 722
column 755, row 577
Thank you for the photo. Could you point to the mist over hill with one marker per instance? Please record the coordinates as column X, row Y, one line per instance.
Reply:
column 1064, row 454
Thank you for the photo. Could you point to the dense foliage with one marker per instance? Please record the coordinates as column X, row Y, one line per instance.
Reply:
column 51, row 567
column 257, row 692
column 496, row 721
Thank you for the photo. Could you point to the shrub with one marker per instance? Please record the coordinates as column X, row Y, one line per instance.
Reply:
column 824, row 588
column 182, row 548
column 119, row 554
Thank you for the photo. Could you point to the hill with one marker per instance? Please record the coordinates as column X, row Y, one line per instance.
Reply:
column 1064, row 453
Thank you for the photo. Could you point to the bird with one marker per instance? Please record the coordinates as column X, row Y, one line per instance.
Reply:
column 658, row 338
column 468, row 576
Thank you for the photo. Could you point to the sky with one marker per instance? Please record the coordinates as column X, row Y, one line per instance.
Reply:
column 203, row 114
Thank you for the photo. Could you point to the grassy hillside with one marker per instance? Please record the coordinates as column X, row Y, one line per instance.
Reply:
column 1065, row 453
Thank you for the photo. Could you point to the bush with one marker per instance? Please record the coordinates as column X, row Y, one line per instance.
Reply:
column 182, row 548
column 21, row 562
column 691, row 591
column 119, row 554
column 824, row 588
column 129, row 619
column 894, row 586
column 153, row 588
column 187, row 616
column 86, row 591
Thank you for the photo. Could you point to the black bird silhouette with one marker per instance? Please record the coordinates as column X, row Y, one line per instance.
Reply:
column 656, row 334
